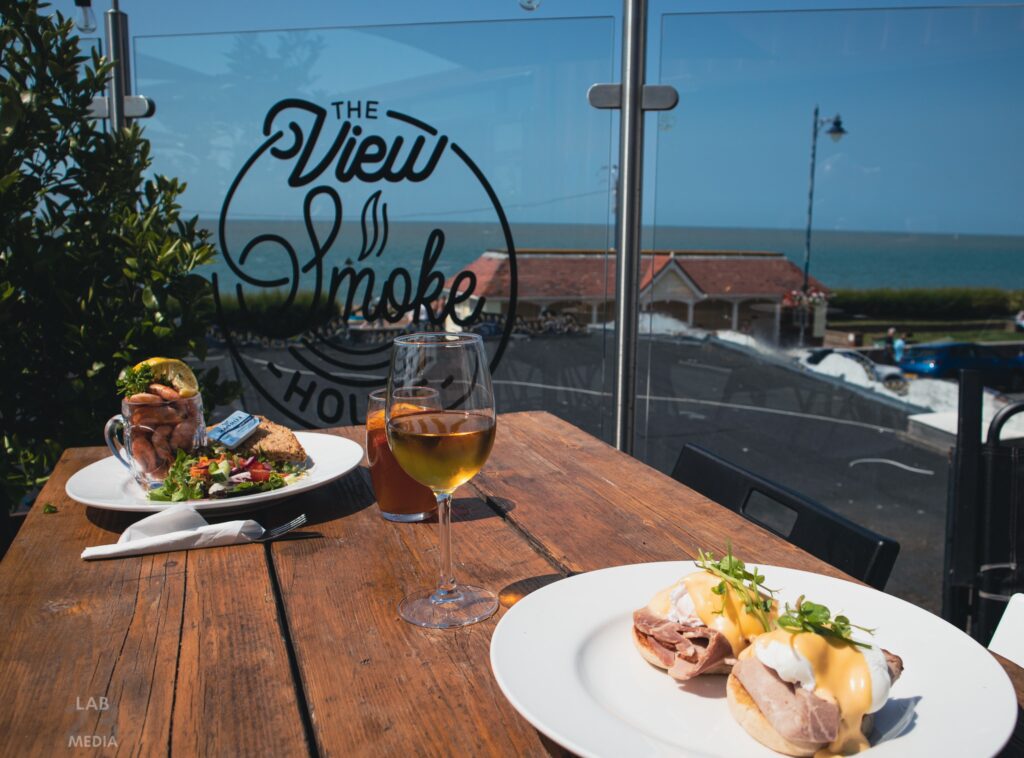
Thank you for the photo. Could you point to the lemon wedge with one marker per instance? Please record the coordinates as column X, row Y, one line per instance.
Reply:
column 173, row 373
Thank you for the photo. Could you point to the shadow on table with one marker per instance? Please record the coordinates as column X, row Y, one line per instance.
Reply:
column 343, row 497
column 468, row 509
column 474, row 509
column 112, row 521
column 552, row 748
column 512, row 593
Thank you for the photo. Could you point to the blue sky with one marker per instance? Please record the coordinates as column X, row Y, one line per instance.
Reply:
column 931, row 99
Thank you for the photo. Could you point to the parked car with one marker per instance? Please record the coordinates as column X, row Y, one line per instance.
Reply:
column 488, row 329
column 890, row 376
column 944, row 361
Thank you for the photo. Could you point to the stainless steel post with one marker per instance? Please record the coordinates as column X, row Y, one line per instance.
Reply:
column 119, row 85
column 629, row 219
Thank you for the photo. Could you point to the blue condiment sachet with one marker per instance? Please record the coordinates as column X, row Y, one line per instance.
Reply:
column 234, row 430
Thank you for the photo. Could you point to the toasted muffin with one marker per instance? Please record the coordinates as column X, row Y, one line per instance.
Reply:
column 745, row 711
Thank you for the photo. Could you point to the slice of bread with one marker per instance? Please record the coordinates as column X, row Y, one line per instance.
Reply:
column 273, row 441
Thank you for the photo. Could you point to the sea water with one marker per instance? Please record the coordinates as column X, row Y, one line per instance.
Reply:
column 857, row 260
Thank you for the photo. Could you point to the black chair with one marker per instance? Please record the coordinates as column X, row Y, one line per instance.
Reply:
column 802, row 522
column 984, row 518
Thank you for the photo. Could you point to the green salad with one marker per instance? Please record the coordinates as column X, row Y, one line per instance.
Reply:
column 216, row 472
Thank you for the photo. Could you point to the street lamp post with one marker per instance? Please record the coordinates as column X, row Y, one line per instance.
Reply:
column 836, row 132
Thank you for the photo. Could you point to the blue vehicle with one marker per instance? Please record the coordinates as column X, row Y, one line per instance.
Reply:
column 488, row 329
column 944, row 361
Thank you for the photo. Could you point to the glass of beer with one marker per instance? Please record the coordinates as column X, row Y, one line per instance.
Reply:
column 399, row 496
column 443, row 447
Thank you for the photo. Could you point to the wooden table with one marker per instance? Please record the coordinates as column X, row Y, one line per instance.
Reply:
column 295, row 648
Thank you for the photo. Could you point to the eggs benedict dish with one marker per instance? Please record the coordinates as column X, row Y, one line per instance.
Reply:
column 808, row 688
column 702, row 622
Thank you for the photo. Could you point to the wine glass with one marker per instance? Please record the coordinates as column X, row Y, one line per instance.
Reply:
column 443, row 448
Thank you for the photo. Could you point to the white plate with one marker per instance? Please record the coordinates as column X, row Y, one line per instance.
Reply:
column 108, row 484
column 564, row 658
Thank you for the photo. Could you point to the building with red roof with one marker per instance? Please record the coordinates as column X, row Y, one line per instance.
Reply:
column 708, row 289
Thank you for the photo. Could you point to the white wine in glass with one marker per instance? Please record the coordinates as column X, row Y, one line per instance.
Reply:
column 443, row 448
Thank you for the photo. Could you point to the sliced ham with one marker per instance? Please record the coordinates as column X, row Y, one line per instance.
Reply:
column 793, row 712
column 895, row 664
column 686, row 651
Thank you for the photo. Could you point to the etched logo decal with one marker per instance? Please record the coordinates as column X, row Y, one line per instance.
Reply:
column 341, row 316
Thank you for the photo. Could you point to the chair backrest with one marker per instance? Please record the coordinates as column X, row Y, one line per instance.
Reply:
column 809, row 525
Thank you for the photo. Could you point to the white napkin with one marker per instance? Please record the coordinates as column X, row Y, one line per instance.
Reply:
column 179, row 527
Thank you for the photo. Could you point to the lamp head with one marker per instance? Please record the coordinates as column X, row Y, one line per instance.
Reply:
column 86, row 19
column 836, row 131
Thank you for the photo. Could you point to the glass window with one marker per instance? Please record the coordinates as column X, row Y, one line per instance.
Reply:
column 362, row 182
column 917, row 199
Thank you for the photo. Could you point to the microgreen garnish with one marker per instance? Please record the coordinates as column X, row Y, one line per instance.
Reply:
column 748, row 585
column 812, row 617
column 133, row 381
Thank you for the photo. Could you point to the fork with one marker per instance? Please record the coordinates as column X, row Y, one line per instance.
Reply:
column 278, row 531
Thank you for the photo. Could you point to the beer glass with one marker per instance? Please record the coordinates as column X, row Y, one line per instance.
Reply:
column 153, row 433
column 399, row 496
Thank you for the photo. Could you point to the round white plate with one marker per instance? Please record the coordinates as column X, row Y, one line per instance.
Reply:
column 564, row 658
column 108, row 484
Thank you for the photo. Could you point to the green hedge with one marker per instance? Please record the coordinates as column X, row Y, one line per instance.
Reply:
column 265, row 316
column 943, row 303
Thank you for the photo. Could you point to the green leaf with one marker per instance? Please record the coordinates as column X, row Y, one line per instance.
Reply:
column 9, row 180
column 149, row 299
column 813, row 618
column 132, row 381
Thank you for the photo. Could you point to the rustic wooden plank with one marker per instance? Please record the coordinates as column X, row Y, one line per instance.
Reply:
column 137, row 655
column 65, row 679
column 1016, row 674
column 1015, row 747
column 589, row 506
column 235, row 692
column 375, row 684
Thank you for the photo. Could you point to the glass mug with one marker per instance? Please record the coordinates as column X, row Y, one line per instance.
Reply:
column 399, row 496
column 153, row 433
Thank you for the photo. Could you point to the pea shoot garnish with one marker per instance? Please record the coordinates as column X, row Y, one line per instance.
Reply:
column 748, row 585
column 132, row 380
column 817, row 619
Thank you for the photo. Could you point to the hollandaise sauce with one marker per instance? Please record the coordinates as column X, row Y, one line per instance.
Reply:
column 725, row 612
column 842, row 675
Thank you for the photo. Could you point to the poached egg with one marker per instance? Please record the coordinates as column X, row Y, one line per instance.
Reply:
column 691, row 601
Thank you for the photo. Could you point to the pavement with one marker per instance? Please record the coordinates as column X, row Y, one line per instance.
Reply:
column 836, row 444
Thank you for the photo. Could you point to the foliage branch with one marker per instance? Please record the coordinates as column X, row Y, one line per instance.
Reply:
column 97, row 265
